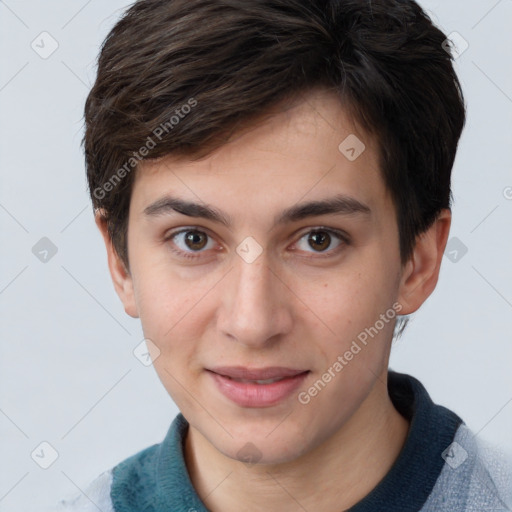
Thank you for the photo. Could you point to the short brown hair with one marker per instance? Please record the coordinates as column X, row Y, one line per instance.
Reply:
column 231, row 60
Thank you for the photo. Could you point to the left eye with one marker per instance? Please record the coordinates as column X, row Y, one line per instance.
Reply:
column 321, row 239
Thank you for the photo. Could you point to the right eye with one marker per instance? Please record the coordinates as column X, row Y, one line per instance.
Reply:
column 189, row 241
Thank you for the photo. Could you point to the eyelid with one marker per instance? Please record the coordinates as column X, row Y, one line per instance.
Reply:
column 173, row 232
column 338, row 232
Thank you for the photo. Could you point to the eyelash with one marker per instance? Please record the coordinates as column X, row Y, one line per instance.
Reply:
column 337, row 233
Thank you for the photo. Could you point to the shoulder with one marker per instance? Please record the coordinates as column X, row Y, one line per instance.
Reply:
column 136, row 482
column 476, row 476
column 96, row 496
column 132, row 477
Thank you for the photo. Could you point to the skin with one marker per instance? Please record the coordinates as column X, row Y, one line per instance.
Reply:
column 296, row 305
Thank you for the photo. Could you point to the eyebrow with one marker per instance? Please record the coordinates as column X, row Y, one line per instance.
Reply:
column 338, row 205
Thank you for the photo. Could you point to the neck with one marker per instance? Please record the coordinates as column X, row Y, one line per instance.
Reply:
column 337, row 474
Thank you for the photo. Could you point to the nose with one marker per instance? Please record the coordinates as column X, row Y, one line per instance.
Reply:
column 256, row 305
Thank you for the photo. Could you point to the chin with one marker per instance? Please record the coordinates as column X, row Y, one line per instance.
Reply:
column 266, row 449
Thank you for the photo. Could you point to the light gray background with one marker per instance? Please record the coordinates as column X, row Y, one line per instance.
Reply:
column 68, row 374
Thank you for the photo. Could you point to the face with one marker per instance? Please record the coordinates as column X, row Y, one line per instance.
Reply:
column 256, row 287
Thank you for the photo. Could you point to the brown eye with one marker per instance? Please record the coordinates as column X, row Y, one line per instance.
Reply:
column 319, row 240
column 189, row 243
column 322, row 240
column 195, row 240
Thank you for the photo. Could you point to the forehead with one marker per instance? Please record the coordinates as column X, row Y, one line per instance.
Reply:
column 307, row 149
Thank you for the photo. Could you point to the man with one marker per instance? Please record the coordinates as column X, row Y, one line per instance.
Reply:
column 272, row 182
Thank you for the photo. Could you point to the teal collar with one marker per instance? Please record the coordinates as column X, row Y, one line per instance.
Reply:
column 156, row 479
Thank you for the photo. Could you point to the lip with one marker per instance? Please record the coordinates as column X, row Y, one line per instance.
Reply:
column 253, row 394
column 270, row 372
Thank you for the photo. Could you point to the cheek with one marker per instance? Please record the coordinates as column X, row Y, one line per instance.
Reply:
column 351, row 305
column 161, row 297
column 165, row 307
column 353, row 298
column 173, row 322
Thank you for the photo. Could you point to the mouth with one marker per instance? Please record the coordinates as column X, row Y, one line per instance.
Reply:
column 265, row 381
column 252, row 374
column 263, row 387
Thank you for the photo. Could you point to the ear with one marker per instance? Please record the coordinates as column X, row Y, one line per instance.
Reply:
column 121, row 277
column 420, row 273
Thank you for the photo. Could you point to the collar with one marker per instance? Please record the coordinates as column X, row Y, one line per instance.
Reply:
column 156, row 479
column 409, row 482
